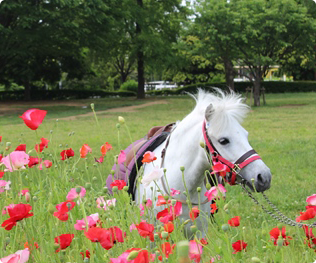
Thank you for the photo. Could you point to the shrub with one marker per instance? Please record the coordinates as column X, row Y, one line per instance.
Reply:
column 130, row 85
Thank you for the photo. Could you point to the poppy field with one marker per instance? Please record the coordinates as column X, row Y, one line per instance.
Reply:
column 55, row 206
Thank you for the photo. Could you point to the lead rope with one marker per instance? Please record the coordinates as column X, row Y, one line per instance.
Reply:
column 279, row 216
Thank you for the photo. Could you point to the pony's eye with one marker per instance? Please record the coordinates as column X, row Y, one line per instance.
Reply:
column 223, row 141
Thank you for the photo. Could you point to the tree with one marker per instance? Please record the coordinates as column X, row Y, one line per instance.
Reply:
column 262, row 32
column 41, row 39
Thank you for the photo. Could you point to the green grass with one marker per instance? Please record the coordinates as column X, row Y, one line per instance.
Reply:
column 282, row 133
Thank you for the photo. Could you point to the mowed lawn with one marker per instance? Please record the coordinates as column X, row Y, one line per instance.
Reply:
column 283, row 132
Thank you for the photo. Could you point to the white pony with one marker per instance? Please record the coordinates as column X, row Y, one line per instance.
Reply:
column 222, row 114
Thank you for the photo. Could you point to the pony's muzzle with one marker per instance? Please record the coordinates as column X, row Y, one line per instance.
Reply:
column 263, row 180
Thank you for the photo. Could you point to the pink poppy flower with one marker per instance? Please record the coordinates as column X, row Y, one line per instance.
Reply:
column 84, row 150
column 155, row 175
column 15, row 161
column 91, row 220
column 174, row 192
column 100, row 160
column 195, row 251
column 46, row 163
column 21, row 256
column 4, row 185
column 73, row 194
column 215, row 192
column 149, row 204
column 311, row 200
column 33, row 118
column 142, row 257
column 5, row 209
column 26, row 194
column 132, row 227
column 21, row 147
column 106, row 203
column 122, row 157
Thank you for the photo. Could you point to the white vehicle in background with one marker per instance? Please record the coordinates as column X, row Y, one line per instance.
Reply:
column 159, row 85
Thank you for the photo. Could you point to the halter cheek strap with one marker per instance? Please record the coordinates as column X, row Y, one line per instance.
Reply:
column 235, row 168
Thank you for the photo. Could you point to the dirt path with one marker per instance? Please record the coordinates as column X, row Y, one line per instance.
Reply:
column 115, row 110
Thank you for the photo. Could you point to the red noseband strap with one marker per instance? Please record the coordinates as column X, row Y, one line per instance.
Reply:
column 235, row 168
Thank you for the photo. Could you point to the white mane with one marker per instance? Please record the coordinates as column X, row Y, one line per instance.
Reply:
column 226, row 107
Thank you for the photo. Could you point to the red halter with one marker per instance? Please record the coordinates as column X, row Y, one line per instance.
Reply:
column 235, row 168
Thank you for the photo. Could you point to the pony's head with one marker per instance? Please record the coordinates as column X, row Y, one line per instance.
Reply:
column 223, row 115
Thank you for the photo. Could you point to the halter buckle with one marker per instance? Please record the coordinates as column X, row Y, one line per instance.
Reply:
column 236, row 169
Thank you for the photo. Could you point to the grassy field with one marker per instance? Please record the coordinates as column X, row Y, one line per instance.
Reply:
column 283, row 132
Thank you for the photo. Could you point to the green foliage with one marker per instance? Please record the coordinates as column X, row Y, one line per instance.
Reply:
column 130, row 85
column 63, row 94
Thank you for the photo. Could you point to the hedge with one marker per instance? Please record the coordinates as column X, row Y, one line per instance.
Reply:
column 270, row 87
column 63, row 94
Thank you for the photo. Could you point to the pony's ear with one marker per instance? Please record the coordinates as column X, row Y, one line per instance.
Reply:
column 208, row 112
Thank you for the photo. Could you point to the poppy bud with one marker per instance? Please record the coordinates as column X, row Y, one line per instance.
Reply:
column 51, row 131
column 121, row 120
column 255, row 259
column 92, row 106
column 225, row 227
column 202, row 144
column 78, row 190
column 173, row 201
column 199, row 189
column 182, row 168
column 225, row 207
column 156, row 236
column 208, row 186
column 112, row 172
column 118, row 125
column 185, row 193
column 88, row 186
column 7, row 241
column 280, row 226
column 114, row 189
column 132, row 255
column 57, row 120
column 68, row 205
column 51, row 208
column 186, row 221
column 280, row 242
column 27, row 197
column 164, row 170
column 56, row 246
column 125, row 188
column 34, row 198
column 164, row 234
column 86, row 260
column 166, row 197
column 105, row 190
column 94, row 179
column 183, row 248
column 101, row 205
column 193, row 229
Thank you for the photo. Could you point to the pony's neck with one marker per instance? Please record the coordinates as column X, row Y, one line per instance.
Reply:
column 184, row 150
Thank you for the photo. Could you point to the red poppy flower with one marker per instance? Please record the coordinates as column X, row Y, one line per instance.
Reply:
column 235, row 221
column 149, row 157
column 31, row 246
column 64, row 241
column 17, row 213
column 63, row 209
column 309, row 214
column 85, row 254
column 203, row 241
column 1, row 156
column 0, row 138
column 101, row 235
column 117, row 234
column 194, row 213
column 238, row 246
column 311, row 206
column 119, row 183
column 84, row 150
column 170, row 213
column 105, row 148
column 166, row 249
column 146, row 230
column 1, row 173
column 275, row 233
column 220, row 169
column 143, row 257
column 214, row 208
column 40, row 147
column 65, row 154
column 162, row 201
column 21, row 147
column 169, row 227
column 311, row 239
column 34, row 161
column 33, row 118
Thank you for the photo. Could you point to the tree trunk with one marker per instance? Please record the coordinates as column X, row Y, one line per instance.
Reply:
column 27, row 91
column 229, row 73
column 140, row 59
column 256, row 91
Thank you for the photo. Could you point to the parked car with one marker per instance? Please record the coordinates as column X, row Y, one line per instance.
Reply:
column 159, row 85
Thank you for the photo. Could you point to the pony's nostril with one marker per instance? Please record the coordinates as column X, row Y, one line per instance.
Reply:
column 260, row 179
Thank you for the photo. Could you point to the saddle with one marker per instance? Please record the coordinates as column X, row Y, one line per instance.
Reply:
column 127, row 171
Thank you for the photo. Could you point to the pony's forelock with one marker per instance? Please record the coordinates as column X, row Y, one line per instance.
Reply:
column 227, row 106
